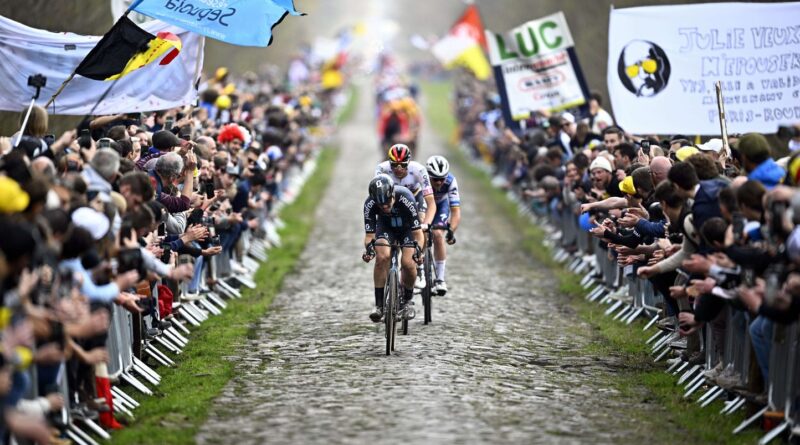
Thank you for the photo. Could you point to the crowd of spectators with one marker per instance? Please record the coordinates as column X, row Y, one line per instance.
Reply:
column 712, row 230
column 125, row 213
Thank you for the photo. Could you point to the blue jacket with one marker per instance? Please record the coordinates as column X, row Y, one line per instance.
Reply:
column 768, row 173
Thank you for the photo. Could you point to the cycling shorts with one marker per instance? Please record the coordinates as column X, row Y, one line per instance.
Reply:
column 401, row 236
column 442, row 217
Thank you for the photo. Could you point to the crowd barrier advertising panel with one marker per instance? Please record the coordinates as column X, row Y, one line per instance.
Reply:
column 536, row 67
column 663, row 62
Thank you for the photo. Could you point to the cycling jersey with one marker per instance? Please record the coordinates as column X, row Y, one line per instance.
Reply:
column 396, row 225
column 445, row 196
column 416, row 180
column 448, row 192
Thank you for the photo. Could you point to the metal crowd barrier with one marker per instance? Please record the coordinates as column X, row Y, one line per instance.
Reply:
column 127, row 344
column 629, row 298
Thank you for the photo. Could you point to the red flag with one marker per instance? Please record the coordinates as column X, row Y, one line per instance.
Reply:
column 470, row 25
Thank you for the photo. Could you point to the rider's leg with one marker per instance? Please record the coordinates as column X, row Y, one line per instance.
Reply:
column 409, row 272
column 382, row 260
column 439, row 253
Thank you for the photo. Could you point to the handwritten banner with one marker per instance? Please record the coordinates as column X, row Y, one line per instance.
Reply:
column 663, row 62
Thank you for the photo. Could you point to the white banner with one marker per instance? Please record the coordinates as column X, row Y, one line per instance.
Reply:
column 27, row 51
column 663, row 62
column 536, row 67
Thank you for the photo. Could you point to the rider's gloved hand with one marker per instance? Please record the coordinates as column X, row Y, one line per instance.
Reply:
column 450, row 237
column 369, row 253
column 423, row 226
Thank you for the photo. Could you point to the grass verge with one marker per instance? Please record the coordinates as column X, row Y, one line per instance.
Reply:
column 180, row 404
column 638, row 378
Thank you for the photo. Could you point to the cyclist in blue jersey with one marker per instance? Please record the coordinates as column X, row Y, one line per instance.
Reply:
column 390, row 216
column 448, row 215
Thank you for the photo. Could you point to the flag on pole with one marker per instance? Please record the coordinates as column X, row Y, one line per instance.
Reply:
column 126, row 48
column 471, row 26
column 464, row 44
column 56, row 54
column 238, row 22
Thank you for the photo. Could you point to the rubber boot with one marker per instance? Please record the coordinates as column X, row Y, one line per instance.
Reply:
column 103, row 385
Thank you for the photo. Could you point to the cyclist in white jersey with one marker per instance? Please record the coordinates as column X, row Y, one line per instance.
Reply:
column 448, row 215
column 413, row 176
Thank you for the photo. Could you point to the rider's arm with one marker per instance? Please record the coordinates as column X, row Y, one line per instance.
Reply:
column 430, row 213
column 368, row 238
column 417, row 234
column 455, row 217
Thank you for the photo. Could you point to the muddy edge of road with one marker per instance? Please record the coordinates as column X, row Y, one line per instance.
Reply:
column 650, row 391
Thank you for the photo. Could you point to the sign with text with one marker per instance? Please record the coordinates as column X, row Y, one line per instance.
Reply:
column 663, row 62
column 536, row 67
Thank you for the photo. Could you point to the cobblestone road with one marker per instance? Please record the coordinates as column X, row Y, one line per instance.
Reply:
column 500, row 364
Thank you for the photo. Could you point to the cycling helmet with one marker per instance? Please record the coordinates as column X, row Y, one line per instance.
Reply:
column 438, row 167
column 381, row 189
column 399, row 153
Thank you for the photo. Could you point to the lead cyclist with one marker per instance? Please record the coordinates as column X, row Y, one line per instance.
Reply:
column 413, row 176
column 448, row 215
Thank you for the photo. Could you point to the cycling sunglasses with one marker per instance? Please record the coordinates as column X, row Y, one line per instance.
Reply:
column 399, row 164
column 437, row 179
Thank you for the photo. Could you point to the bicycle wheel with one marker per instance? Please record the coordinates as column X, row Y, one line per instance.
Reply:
column 427, row 291
column 396, row 303
column 388, row 312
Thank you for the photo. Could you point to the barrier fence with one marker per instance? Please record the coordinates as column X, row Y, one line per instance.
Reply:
column 723, row 371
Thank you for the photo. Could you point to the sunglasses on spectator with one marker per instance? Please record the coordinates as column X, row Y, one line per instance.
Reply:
column 399, row 164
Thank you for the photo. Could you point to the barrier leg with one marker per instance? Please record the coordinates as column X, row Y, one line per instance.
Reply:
column 747, row 422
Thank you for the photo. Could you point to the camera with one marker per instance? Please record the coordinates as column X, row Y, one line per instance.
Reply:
column 104, row 143
column 214, row 241
column 37, row 81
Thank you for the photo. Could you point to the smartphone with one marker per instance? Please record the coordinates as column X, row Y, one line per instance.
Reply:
column 104, row 143
column 85, row 133
column 49, row 139
column 166, row 254
column 169, row 121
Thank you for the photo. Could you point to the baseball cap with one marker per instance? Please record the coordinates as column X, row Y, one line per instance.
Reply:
column 601, row 162
column 12, row 198
column 684, row 152
column 567, row 116
column 165, row 140
column 93, row 221
column 626, row 186
column 714, row 145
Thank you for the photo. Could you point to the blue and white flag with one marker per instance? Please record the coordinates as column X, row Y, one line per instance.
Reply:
column 238, row 22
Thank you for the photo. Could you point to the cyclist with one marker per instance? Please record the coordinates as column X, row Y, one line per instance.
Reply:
column 413, row 176
column 390, row 216
column 448, row 214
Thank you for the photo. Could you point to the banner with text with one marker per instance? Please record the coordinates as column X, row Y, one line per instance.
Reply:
column 663, row 62
column 536, row 67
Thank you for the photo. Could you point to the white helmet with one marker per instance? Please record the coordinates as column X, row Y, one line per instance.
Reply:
column 438, row 167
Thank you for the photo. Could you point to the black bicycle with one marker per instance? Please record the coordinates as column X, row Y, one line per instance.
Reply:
column 393, row 292
column 430, row 274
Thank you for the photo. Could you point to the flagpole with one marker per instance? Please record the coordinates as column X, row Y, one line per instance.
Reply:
column 75, row 71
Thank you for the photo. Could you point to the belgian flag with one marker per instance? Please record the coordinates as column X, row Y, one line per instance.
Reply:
column 125, row 48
